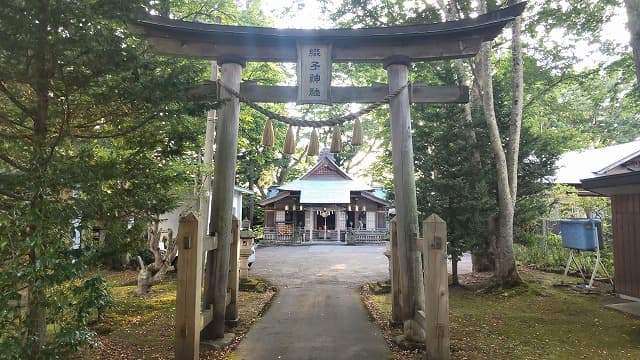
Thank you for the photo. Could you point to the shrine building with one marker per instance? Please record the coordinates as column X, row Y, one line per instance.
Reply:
column 325, row 204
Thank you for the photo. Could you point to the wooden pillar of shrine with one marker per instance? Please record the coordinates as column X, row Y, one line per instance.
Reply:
column 224, row 180
column 404, row 184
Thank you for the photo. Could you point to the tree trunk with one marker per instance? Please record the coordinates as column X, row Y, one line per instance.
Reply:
column 153, row 273
column 43, row 66
column 153, row 242
column 482, row 258
column 633, row 18
column 251, row 203
column 517, row 102
column 506, row 178
column 454, row 272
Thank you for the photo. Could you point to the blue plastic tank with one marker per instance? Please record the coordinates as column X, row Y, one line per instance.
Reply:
column 581, row 234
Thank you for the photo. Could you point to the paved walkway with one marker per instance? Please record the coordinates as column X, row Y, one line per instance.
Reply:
column 317, row 313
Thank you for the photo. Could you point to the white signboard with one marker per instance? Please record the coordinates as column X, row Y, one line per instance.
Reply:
column 314, row 74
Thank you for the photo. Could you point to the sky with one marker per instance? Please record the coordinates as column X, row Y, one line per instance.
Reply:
column 307, row 14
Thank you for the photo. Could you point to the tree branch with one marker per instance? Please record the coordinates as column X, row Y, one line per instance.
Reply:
column 13, row 163
column 12, row 195
column 15, row 100
column 14, row 136
column 120, row 133
column 14, row 123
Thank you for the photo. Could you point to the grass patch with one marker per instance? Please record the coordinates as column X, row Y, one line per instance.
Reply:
column 538, row 321
column 143, row 327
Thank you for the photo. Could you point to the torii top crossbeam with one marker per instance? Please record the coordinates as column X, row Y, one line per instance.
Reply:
column 445, row 40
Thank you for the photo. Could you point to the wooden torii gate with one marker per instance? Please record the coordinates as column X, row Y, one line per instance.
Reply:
column 395, row 47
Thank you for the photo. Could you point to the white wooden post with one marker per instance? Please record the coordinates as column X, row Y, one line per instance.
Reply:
column 207, row 231
column 189, row 289
column 208, row 160
column 412, row 295
column 225, row 159
column 436, row 288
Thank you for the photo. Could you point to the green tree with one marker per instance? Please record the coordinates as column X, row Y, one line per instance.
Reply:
column 77, row 91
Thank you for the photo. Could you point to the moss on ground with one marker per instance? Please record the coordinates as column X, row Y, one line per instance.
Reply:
column 140, row 327
column 538, row 321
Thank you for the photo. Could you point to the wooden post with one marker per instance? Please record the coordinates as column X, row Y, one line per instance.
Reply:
column 436, row 288
column 412, row 295
column 396, row 282
column 231, row 315
column 208, row 160
column 225, row 159
column 188, row 292
column 205, row 198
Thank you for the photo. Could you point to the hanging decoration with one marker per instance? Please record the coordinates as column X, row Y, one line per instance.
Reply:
column 314, row 144
column 290, row 141
column 336, row 141
column 268, row 139
column 356, row 138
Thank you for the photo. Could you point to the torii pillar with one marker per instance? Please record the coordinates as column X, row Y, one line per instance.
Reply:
column 404, row 186
column 221, row 217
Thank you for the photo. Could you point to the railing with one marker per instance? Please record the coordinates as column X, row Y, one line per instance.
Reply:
column 326, row 235
column 297, row 236
column 360, row 236
column 273, row 237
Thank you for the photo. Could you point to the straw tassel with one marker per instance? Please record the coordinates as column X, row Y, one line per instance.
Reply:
column 268, row 138
column 356, row 139
column 290, row 141
column 336, row 141
column 314, row 144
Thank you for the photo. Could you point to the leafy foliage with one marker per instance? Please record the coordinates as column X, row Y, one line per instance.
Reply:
column 95, row 129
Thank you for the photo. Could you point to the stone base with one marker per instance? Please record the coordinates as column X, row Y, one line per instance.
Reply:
column 218, row 344
column 395, row 324
column 380, row 287
column 232, row 323
column 405, row 344
column 253, row 285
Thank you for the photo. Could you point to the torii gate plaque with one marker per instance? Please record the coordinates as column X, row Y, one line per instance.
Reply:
column 314, row 73
column 396, row 47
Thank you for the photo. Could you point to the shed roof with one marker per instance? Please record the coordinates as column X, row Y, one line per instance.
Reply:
column 585, row 164
column 628, row 183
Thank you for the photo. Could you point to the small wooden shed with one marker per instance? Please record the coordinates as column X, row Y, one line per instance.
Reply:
column 624, row 191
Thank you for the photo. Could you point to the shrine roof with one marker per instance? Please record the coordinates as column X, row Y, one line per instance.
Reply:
column 326, row 183
column 453, row 39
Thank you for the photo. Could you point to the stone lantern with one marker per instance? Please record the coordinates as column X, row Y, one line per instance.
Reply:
column 246, row 244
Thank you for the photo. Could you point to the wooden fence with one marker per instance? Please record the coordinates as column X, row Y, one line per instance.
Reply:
column 191, row 315
column 435, row 318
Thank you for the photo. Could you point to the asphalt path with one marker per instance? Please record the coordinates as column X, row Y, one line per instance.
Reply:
column 317, row 313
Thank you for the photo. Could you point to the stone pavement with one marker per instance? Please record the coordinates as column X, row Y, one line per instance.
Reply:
column 317, row 314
